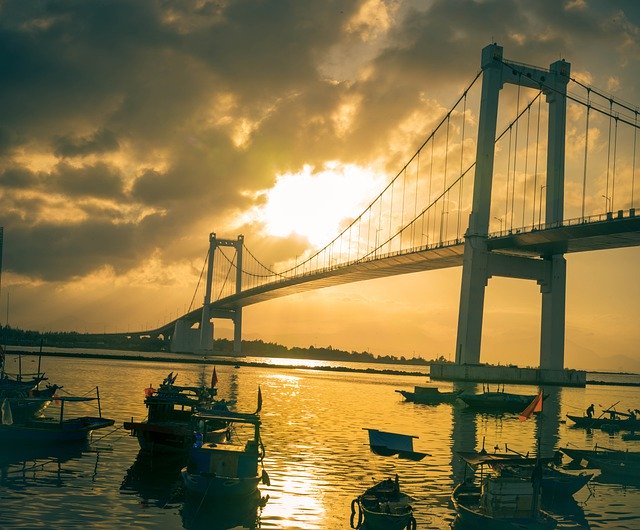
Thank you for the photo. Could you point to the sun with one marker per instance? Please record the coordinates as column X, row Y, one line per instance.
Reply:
column 315, row 204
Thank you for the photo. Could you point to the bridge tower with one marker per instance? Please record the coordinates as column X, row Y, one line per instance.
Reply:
column 206, row 326
column 480, row 264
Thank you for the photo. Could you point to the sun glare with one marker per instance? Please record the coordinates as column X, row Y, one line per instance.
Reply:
column 316, row 204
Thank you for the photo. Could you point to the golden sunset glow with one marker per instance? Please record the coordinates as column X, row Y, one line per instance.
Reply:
column 316, row 205
column 119, row 155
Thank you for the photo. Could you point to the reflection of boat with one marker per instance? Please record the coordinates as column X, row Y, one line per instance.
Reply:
column 383, row 507
column 36, row 431
column 501, row 502
column 429, row 395
column 156, row 481
column 221, row 515
column 497, row 401
column 228, row 468
column 22, row 465
column 169, row 427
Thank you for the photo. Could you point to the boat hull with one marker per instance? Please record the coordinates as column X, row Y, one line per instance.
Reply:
column 429, row 399
column 497, row 401
column 46, row 432
column 466, row 501
column 585, row 422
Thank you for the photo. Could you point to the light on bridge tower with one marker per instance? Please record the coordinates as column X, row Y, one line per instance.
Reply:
column 479, row 263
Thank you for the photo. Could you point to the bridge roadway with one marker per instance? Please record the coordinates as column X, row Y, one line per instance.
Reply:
column 606, row 231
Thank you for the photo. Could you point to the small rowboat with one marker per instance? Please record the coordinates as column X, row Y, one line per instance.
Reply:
column 429, row 395
column 383, row 507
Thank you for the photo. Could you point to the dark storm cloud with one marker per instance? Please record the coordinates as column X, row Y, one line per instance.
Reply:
column 157, row 92
column 102, row 141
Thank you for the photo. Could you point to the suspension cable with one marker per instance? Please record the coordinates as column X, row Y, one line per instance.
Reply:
column 586, row 152
column 206, row 258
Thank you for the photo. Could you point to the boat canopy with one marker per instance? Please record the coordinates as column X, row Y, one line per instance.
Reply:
column 475, row 458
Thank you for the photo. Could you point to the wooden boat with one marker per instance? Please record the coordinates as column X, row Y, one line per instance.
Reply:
column 501, row 502
column 617, row 421
column 612, row 463
column 229, row 468
column 51, row 431
column 555, row 483
column 429, row 395
column 497, row 401
column 31, row 404
column 383, row 507
column 170, row 426
column 601, row 454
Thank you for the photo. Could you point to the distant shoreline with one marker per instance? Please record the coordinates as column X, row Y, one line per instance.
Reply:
column 240, row 362
column 213, row 360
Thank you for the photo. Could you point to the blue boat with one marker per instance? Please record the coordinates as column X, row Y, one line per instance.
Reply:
column 229, row 468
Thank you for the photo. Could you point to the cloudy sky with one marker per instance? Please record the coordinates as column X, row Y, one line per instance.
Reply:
column 132, row 128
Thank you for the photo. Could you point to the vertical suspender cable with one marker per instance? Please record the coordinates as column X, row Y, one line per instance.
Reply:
column 415, row 205
column 586, row 151
column 633, row 169
column 615, row 150
column 606, row 193
column 535, row 169
column 526, row 166
column 404, row 188
column 464, row 119
column 506, row 196
column 444, row 183
column 515, row 159
column 390, row 213
column 430, row 182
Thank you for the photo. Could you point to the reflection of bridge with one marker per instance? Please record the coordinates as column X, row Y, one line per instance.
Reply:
column 419, row 221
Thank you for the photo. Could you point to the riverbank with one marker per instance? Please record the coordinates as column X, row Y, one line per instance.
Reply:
column 303, row 364
column 210, row 361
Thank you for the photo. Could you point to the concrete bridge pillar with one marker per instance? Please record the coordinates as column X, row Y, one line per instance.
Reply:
column 553, row 315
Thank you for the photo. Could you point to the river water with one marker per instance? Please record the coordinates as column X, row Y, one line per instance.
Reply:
column 317, row 455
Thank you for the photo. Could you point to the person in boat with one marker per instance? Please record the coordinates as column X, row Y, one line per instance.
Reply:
column 590, row 411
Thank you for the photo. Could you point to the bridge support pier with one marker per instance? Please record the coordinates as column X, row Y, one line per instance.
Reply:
column 553, row 291
column 474, row 281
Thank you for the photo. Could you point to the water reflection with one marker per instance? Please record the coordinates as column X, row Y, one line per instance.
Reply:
column 235, row 513
column 24, row 468
column 156, row 481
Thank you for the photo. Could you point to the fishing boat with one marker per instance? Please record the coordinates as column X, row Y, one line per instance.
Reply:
column 555, row 483
column 229, row 468
column 601, row 454
column 169, row 426
column 499, row 401
column 429, row 395
column 31, row 404
column 36, row 431
column 501, row 502
column 617, row 421
column 383, row 507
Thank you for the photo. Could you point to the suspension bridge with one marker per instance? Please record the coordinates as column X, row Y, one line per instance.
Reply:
column 499, row 190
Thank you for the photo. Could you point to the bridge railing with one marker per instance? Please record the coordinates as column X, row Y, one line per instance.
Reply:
column 608, row 216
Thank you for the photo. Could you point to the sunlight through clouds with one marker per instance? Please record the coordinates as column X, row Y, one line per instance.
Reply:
column 316, row 204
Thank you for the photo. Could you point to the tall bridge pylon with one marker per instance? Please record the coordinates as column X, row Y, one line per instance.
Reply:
column 479, row 263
